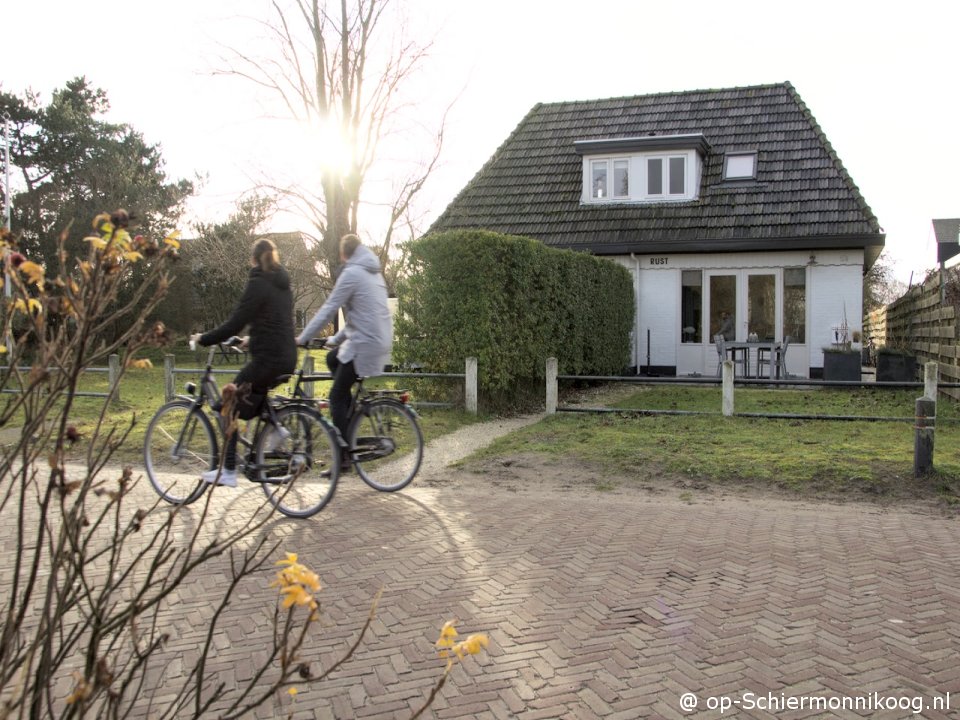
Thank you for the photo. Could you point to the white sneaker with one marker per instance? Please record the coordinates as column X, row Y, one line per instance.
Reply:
column 215, row 477
column 275, row 438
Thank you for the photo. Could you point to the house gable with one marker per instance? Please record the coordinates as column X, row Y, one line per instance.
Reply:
column 799, row 196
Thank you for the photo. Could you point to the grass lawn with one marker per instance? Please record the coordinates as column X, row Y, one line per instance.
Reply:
column 805, row 456
column 142, row 392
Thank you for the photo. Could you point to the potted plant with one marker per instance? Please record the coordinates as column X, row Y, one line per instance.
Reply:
column 896, row 362
column 841, row 361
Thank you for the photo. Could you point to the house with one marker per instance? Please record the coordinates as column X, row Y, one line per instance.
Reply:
column 727, row 201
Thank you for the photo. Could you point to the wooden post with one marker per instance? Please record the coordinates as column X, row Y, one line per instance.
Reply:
column 930, row 371
column 926, row 417
column 169, row 390
column 114, row 375
column 551, row 386
column 470, row 386
column 308, row 370
column 727, row 388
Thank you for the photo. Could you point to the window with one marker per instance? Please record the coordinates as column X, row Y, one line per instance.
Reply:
column 795, row 304
column 599, row 180
column 691, row 306
column 740, row 166
column 677, row 167
column 621, row 178
column 669, row 173
column 648, row 169
column 654, row 176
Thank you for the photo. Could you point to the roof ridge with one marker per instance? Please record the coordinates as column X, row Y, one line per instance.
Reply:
column 673, row 93
column 834, row 157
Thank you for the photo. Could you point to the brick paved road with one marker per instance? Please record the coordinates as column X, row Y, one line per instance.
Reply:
column 609, row 606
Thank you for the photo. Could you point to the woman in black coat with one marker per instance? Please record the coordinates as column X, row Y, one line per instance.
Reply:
column 267, row 308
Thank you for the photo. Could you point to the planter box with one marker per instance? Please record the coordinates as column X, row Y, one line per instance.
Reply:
column 841, row 366
column 892, row 367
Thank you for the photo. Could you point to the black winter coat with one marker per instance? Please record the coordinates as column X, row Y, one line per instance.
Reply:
column 267, row 307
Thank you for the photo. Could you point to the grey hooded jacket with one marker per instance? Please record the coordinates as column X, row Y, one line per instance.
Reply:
column 367, row 335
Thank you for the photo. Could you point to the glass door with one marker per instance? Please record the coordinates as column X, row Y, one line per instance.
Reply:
column 761, row 305
column 723, row 307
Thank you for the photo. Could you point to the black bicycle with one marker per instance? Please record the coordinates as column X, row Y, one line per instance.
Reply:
column 291, row 450
column 384, row 441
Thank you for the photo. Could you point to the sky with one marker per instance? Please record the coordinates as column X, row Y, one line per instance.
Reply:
column 878, row 77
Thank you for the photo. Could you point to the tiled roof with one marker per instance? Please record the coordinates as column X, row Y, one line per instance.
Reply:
column 802, row 195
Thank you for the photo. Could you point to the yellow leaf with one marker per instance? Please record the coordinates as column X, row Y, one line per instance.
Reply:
column 34, row 272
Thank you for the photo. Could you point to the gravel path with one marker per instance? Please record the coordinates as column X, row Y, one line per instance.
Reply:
column 447, row 449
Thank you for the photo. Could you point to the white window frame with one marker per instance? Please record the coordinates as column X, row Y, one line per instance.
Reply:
column 637, row 178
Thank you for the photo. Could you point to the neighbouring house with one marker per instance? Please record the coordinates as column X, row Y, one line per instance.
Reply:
column 726, row 201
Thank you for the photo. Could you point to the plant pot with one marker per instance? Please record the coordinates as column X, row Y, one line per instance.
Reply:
column 893, row 367
column 841, row 366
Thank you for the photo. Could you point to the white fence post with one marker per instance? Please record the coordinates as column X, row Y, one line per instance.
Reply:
column 470, row 387
column 169, row 390
column 727, row 388
column 551, row 386
column 930, row 372
column 114, row 375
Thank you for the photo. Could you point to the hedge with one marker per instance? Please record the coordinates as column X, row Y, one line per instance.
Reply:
column 511, row 302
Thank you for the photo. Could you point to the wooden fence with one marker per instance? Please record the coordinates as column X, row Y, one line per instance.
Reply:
column 923, row 324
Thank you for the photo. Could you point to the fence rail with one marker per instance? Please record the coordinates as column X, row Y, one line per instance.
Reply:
column 469, row 377
column 112, row 370
column 930, row 386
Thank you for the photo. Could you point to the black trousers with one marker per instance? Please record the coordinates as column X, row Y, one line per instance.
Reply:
column 260, row 378
column 344, row 376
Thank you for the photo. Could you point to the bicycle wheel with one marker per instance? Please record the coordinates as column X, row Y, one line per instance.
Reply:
column 178, row 446
column 386, row 444
column 298, row 465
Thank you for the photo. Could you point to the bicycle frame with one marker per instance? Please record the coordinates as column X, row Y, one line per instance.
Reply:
column 210, row 395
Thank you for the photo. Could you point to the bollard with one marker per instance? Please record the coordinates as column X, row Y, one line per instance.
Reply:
column 551, row 386
column 926, row 420
column 727, row 388
column 470, row 385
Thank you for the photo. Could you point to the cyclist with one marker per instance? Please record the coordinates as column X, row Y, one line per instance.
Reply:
column 362, row 346
column 267, row 308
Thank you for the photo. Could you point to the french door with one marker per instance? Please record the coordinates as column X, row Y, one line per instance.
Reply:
column 742, row 303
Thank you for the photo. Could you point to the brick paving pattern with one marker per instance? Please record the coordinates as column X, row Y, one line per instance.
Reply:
column 602, row 606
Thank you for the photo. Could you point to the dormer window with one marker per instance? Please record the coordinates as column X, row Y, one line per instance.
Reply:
column 647, row 169
column 740, row 166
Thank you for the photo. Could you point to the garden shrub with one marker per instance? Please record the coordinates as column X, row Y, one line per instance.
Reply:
column 512, row 302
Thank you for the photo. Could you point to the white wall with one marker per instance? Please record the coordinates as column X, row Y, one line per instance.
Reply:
column 835, row 287
column 834, row 280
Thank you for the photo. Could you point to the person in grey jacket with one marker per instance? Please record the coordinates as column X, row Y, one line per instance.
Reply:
column 362, row 346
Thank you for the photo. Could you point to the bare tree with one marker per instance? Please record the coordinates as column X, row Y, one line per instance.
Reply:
column 339, row 69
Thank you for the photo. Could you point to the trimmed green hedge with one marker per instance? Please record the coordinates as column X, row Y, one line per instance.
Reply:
column 511, row 302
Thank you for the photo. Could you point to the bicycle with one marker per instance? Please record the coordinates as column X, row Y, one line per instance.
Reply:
column 384, row 441
column 292, row 450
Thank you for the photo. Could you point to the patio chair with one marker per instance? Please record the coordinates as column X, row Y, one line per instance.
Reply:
column 737, row 355
column 777, row 355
